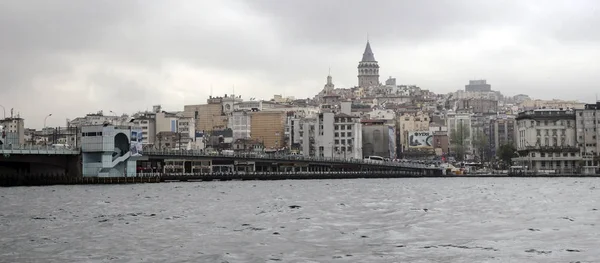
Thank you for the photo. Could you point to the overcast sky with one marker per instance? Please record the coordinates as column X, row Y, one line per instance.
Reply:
column 74, row 57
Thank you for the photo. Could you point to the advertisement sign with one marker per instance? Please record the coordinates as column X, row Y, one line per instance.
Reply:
column 136, row 143
column 420, row 140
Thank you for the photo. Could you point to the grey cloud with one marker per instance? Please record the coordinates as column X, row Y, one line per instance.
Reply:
column 343, row 21
column 280, row 46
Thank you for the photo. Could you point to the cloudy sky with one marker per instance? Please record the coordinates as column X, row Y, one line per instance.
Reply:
column 74, row 57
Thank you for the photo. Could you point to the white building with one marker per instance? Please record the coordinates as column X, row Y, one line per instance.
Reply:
column 332, row 135
column 98, row 118
column 109, row 151
column 546, row 140
column 240, row 123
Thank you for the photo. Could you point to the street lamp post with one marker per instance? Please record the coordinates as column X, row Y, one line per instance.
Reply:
column 116, row 117
column 46, row 119
column 3, row 112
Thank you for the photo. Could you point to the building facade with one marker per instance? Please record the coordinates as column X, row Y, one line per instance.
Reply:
column 460, row 132
column 502, row 131
column 109, row 151
column 268, row 127
column 338, row 135
column 378, row 139
column 12, row 131
column 588, row 134
column 478, row 86
column 240, row 122
column 546, row 140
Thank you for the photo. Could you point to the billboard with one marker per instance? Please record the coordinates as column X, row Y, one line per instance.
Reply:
column 136, row 143
column 420, row 140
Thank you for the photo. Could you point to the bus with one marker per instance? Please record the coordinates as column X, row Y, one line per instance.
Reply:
column 375, row 158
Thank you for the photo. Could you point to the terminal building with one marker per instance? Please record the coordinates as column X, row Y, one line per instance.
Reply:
column 110, row 151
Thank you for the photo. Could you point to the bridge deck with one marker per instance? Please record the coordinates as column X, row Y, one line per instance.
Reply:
column 38, row 150
column 256, row 157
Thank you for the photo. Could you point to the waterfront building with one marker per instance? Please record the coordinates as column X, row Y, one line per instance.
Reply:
column 546, row 140
column 110, row 151
column 588, row 136
column 550, row 104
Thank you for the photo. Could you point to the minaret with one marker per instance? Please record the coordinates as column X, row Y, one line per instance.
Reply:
column 368, row 69
column 328, row 88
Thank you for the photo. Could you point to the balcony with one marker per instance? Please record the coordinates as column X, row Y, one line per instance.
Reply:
column 548, row 149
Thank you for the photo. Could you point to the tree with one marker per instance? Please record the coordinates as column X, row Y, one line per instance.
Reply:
column 506, row 152
column 481, row 144
column 458, row 139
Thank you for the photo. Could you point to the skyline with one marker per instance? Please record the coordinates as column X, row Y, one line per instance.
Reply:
column 71, row 58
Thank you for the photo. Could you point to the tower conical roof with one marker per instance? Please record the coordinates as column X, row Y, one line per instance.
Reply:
column 368, row 55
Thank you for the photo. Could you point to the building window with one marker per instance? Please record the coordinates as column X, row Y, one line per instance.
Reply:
column 337, row 141
column 335, row 134
column 349, row 134
column 348, row 127
column 343, row 134
column 336, row 127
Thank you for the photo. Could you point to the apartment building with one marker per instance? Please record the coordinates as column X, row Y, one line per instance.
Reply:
column 588, row 134
column 268, row 127
column 547, row 140
column 12, row 131
column 212, row 115
column 410, row 122
column 338, row 135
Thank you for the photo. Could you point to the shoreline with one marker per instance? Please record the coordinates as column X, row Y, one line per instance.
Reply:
column 59, row 179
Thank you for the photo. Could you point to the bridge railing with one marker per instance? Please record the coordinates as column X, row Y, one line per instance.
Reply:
column 36, row 149
column 281, row 157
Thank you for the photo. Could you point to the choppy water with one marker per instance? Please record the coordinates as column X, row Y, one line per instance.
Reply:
column 396, row 220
